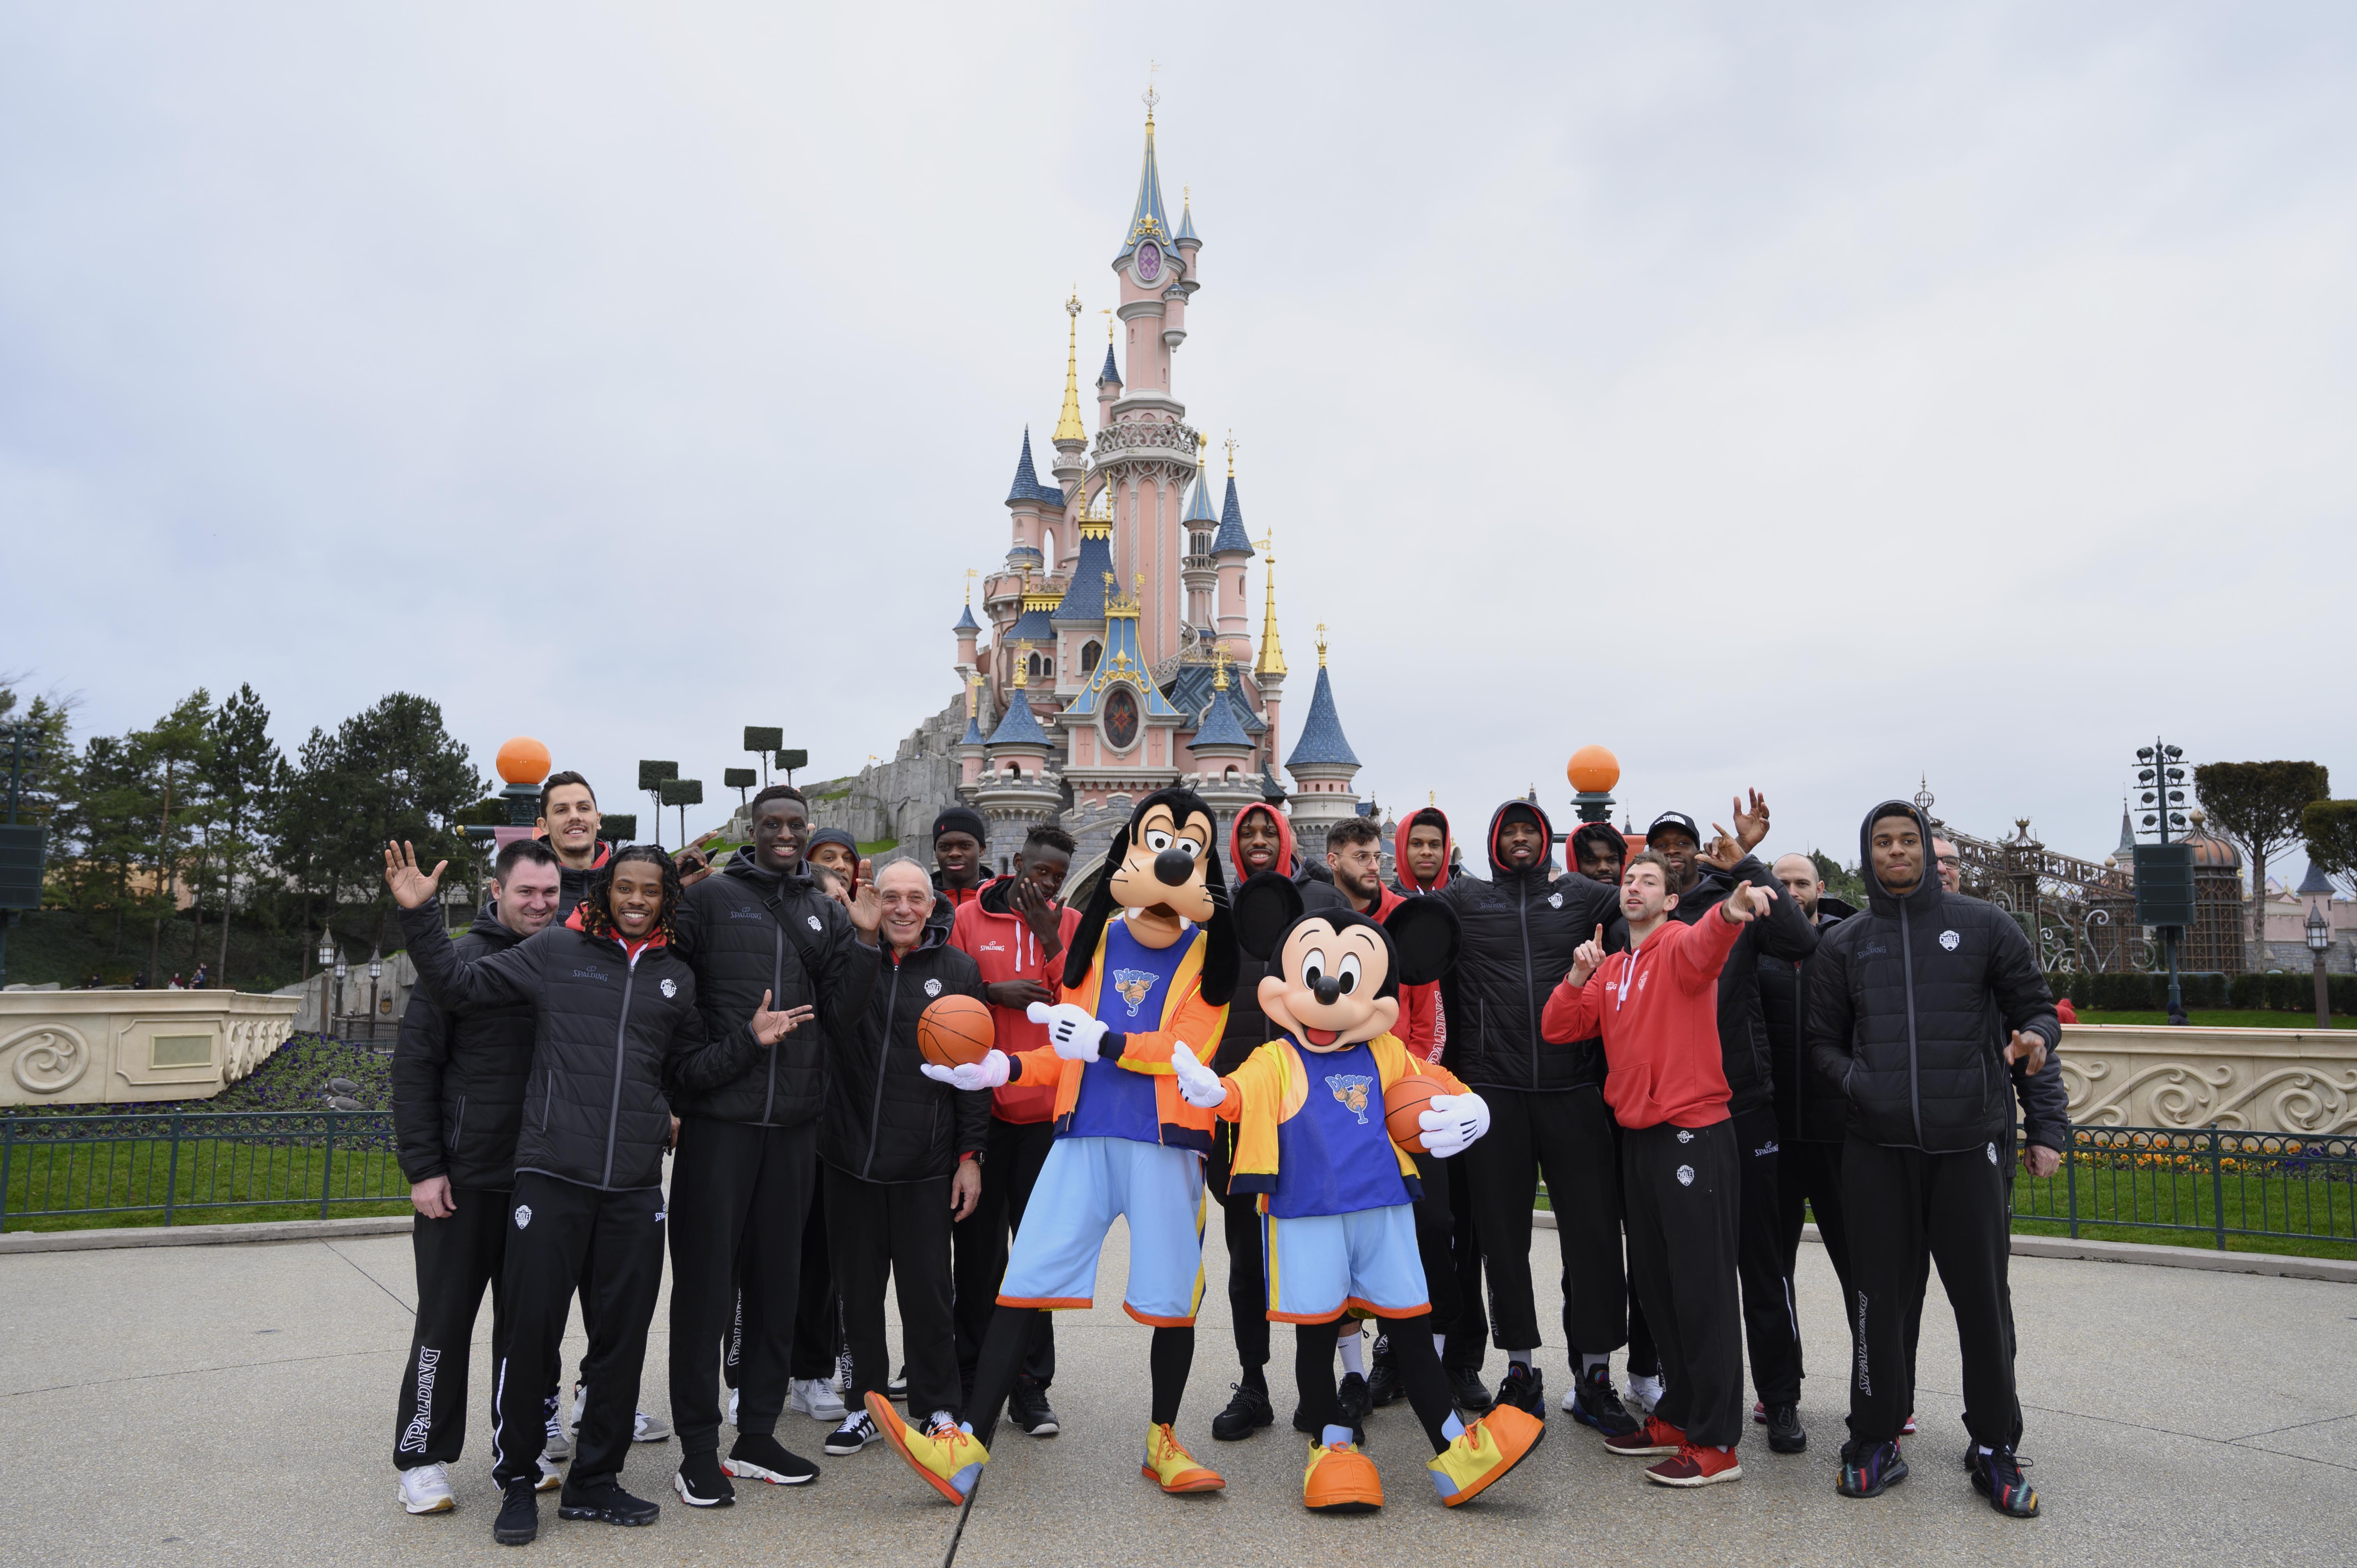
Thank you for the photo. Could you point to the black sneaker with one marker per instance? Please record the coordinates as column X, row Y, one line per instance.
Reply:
column 1027, row 1408
column 896, row 1388
column 759, row 1456
column 1594, row 1404
column 1524, row 1389
column 1868, row 1471
column 519, row 1520
column 1246, row 1414
column 700, row 1484
column 1997, row 1476
column 1784, row 1434
column 1383, row 1385
column 1350, row 1396
column 857, row 1431
column 1466, row 1391
column 608, row 1504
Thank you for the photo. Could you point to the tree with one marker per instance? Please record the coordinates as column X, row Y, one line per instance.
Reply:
column 392, row 772
column 48, row 755
column 1844, row 884
column 169, row 758
column 99, row 834
column 2330, row 829
column 245, row 766
column 2256, row 806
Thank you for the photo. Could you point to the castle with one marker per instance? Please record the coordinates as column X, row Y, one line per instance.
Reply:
column 1113, row 655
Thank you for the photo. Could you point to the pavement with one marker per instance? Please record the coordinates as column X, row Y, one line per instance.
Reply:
column 234, row 1404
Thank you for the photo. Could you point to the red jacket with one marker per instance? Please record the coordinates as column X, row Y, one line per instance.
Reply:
column 1419, row 1005
column 1423, row 1026
column 1002, row 945
column 1657, row 1008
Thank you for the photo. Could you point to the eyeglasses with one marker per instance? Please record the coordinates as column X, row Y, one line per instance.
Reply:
column 1951, row 860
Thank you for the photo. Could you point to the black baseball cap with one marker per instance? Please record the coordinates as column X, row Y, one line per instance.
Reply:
column 1677, row 820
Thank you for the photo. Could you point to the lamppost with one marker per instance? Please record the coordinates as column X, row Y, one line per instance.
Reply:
column 376, row 972
column 2164, row 872
column 340, row 979
column 2320, row 939
column 327, row 998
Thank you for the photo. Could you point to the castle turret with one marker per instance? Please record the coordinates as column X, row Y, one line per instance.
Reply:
column 1268, row 670
column 970, row 746
column 1072, row 435
column 1196, row 526
column 1232, row 551
column 967, row 629
column 1322, row 766
column 1015, row 791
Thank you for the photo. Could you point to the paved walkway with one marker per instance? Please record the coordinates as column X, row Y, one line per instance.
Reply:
column 234, row 1404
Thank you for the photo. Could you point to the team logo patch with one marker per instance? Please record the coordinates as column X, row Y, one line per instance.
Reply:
column 932, row 988
column 1992, row 1154
column 816, row 923
column 1684, row 1136
column 670, row 987
column 1950, row 941
column 1555, row 900
column 1685, row 1176
column 1133, row 984
column 1351, row 1089
column 523, row 1215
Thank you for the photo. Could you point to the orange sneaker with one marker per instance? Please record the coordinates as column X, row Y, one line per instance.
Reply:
column 1484, row 1453
column 1169, row 1464
column 946, row 1457
column 1341, row 1480
column 1696, row 1466
column 1654, row 1439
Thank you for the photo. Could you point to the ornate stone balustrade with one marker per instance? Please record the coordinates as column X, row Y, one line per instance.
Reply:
column 2260, row 1080
column 110, row 1047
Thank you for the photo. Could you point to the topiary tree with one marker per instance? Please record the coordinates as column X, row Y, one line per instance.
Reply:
column 2330, row 829
column 2256, row 806
column 650, row 781
column 683, row 793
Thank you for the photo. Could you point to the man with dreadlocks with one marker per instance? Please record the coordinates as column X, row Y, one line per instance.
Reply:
column 615, row 1029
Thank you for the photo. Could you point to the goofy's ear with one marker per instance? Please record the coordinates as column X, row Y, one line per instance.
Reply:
column 1220, row 962
column 1425, row 933
column 1266, row 905
column 1082, row 955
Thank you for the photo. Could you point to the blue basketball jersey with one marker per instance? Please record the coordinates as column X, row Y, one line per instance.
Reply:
column 1131, row 994
column 1334, row 1155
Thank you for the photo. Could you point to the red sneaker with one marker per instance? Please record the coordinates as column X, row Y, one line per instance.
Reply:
column 1655, row 1438
column 1759, row 1413
column 1696, row 1466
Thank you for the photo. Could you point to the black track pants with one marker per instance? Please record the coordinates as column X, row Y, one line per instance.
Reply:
column 818, row 1316
column 455, row 1258
column 1010, row 1167
column 900, row 1228
column 1468, row 1338
column 1684, row 1209
column 1808, row 1183
column 555, row 1228
column 1247, row 1270
column 1907, row 1210
column 1435, row 1228
column 739, row 1194
column 1771, row 1328
column 1568, row 1136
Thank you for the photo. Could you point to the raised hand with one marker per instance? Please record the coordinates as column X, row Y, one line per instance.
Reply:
column 1199, row 1086
column 771, row 1028
column 1039, row 912
column 1725, row 850
column 991, row 1071
column 1451, row 1123
column 1072, row 1029
column 412, row 888
column 1745, row 904
column 1588, row 959
column 1752, row 826
column 2028, row 1049
column 866, row 904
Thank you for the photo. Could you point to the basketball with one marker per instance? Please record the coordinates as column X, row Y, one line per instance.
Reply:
column 1404, row 1102
column 955, row 1030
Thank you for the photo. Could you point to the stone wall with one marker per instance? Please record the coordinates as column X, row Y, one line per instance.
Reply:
column 112, row 1047
column 899, row 799
column 2260, row 1080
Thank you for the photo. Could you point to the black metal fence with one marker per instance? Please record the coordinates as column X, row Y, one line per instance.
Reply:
column 280, row 1163
column 2207, row 1181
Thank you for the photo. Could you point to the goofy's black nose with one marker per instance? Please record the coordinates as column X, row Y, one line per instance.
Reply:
column 1174, row 867
column 1329, row 988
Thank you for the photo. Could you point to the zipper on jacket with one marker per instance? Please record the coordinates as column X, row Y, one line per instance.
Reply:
column 1914, row 1081
column 883, row 1052
column 459, row 1121
column 622, row 1038
column 1530, row 997
column 777, row 995
column 547, row 1101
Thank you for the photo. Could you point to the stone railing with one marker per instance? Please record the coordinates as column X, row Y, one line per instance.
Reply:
column 2260, row 1080
column 111, row 1048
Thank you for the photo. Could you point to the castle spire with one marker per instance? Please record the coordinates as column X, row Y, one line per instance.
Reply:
column 1272, row 656
column 1068, row 425
column 1149, row 219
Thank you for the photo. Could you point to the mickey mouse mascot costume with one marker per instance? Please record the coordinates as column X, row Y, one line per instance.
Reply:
column 1337, row 1193
column 1151, row 969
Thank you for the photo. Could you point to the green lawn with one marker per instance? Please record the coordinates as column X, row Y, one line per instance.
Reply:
column 216, row 1182
column 2220, row 1018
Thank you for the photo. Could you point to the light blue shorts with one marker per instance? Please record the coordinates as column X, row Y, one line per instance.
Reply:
column 1323, row 1265
column 1085, row 1183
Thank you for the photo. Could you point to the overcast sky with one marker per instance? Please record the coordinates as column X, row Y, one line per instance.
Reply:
column 1814, row 397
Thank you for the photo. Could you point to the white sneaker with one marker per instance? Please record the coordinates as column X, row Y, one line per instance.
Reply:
column 551, row 1477
column 580, row 1403
column 1644, row 1393
column 815, row 1398
column 732, row 1407
column 857, row 1431
column 426, row 1488
column 559, row 1444
column 645, row 1428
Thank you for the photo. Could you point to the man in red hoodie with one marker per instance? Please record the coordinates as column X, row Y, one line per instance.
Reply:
column 1656, row 1008
column 1016, row 932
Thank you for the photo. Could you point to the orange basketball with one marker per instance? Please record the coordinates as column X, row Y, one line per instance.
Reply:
column 954, row 1030
column 1404, row 1102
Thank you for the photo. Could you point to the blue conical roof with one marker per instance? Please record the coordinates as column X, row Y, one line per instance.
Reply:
column 1186, row 222
column 1111, row 372
column 1322, row 740
column 1026, row 485
column 1148, row 221
column 972, row 736
column 1220, row 727
column 965, row 621
column 1084, row 598
column 1017, row 726
column 1198, row 503
column 1233, row 537
column 2314, row 882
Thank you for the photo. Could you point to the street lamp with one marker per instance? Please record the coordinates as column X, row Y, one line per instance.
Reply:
column 340, row 979
column 2320, row 938
column 376, row 972
column 327, row 962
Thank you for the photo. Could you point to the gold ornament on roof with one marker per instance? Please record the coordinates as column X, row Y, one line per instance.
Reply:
column 1220, row 671
column 1231, row 451
column 1321, row 645
column 1272, row 654
column 1068, row 424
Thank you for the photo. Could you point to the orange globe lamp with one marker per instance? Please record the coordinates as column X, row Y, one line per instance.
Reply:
column 524, row 760
column 1592, row 771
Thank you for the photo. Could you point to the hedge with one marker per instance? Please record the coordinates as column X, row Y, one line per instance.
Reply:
column 2294, row 992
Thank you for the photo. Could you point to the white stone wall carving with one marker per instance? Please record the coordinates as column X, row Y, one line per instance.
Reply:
column 93, row 1047
column 2259, row 1081
column 45, row 1059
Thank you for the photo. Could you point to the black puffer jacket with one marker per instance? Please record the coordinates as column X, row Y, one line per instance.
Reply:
column 885, row 1121
column 1785, row 933
column 1520, row 930
column 612, row 1039
column 1909, row 1007
column 2045, row 1102
column 1810, row 1109
column 573, row 883
column 745, row 931
column 458, row 1079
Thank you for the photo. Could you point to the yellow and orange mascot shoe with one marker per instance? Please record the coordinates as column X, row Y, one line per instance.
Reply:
column 1341, row 1480
column 1169, row 1464
column 1483, row 1453
column 948, row 1458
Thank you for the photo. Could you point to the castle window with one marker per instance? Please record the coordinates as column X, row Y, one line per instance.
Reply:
column 1121, row 718
column 1089, row 652
column 1047, row 547
column 1038, row 667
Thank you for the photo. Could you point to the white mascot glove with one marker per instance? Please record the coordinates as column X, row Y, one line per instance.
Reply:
column 1072, row 1029
column 1451, row 1121
column 1199, row 1086
column 988, row 1073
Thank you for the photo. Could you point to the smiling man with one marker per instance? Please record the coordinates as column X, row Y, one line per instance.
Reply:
column 569, row 821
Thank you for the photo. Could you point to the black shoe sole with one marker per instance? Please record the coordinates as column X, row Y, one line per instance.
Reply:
column 515, row 1537
column 1890, row 1478
column 721, row 1500
column 1788, row 1445
column 1044, row 1429
column 1224, row 1430
column 612, row 1516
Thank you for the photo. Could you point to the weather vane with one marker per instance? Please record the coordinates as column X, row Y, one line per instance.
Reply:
column 1150, row 97
column 1231, row 451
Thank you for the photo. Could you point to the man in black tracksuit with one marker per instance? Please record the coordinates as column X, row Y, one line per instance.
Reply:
column 458, row 1095
column 1907, row 1010
column 615, row 1030
column 748, row 1149
column 902, row 1155
column 1771, row 1328
column 1546, row 1111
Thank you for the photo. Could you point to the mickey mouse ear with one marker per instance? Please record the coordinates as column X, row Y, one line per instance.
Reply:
column 1265, row 906
column 1426, row 934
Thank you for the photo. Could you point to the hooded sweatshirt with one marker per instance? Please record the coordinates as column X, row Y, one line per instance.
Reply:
column 1405, row 880
column 1003, row 946
column 1248, row 1027
column 1656, row 1007
column 1911, row 1003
